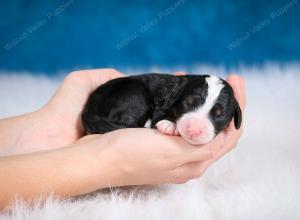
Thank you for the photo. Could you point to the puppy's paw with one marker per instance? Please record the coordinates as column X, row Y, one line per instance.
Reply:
column 167, row 127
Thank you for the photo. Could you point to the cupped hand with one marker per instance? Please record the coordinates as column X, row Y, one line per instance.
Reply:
column 137, row 156
column 62, row 113
column 141, row 156
column 145, row 156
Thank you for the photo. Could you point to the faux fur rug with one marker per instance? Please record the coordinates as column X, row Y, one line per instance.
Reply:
column 259, row 179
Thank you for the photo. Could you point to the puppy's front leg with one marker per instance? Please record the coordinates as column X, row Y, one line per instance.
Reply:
column 167, row 127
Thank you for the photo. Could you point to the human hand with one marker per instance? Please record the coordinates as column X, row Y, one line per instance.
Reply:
column 138, row 156
column 123, row 157
column 62, row 113
column 143, row 156
column 58, row 123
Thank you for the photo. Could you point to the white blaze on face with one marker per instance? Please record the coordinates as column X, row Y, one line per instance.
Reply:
column 195, row 126
column 215, row 86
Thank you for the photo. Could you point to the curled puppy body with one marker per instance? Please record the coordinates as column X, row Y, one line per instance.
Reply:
column 197, row 107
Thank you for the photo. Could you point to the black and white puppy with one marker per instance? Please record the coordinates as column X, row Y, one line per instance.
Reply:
column 197, row 107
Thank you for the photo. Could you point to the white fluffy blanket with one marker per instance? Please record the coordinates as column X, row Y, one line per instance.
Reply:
column 259, row 179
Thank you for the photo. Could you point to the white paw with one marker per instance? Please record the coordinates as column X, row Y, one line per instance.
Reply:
column 167, row 127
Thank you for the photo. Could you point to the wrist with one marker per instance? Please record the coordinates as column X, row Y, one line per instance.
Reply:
column 27, row 133
column 15, row 131
column 108, row 172
column 108, row 164
column 39, row 132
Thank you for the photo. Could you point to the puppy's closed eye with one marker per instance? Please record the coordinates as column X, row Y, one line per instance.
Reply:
column 191, row 100
column 218, row 111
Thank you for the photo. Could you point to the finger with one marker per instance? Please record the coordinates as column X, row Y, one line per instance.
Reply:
column 99, row 76
column 200, row 153
column 229, row 137
column 229, row 142
column 238, row 85
column 219, row 148
column 192, row 170
column 191, row 153
column 110, row 71
column 180, row 73
column 88, row 138
column 231, row 134
column 232, row 130
column 217, row 144
column 223, row 143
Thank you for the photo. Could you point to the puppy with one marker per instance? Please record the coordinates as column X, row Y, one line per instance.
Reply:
column 197, row 107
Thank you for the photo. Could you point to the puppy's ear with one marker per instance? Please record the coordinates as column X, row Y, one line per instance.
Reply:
column 237, row 115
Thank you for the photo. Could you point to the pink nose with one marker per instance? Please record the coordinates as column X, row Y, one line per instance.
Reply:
column 194, row 128
column 194, row 133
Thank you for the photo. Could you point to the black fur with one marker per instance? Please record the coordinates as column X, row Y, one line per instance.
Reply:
column 129, row 101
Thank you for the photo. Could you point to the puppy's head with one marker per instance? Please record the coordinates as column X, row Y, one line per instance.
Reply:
column 205, row 108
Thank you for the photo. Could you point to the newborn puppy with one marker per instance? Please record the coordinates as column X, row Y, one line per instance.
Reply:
column 197, row 107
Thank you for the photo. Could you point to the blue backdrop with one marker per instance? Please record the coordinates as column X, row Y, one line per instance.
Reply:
column 51, row 36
